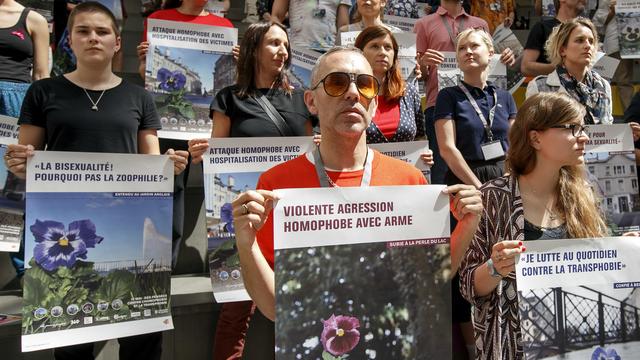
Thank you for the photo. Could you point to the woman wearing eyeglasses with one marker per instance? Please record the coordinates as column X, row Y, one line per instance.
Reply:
column 572, row 47
column 546, row 196
column 237, row 112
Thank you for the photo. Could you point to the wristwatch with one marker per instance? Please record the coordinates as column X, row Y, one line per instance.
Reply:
column 492, row 269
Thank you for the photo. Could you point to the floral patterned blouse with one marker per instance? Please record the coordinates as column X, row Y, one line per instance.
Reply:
column 411, row 124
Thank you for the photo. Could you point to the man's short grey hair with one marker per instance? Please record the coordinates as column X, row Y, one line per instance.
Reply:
column 321, row 59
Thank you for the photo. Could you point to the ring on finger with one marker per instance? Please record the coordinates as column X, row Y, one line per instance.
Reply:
column 245, row 209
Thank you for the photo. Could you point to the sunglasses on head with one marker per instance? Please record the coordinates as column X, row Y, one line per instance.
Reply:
column 337, row 83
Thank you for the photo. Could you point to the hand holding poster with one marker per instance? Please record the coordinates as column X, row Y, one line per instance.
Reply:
column 187, row 64
column 12, row 196
column 363, row 260
column 231, row 166
column 504, row 38
column 97, row 247
column 579, row 298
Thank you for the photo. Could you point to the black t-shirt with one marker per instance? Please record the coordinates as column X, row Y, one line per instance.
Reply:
column 249, row 120
column 63, row 109
column 539, row 35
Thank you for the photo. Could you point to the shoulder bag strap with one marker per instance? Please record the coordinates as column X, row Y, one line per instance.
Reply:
column 283, row 128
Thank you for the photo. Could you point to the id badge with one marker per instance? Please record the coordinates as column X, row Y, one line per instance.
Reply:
column 492, row 150
column 495, row 6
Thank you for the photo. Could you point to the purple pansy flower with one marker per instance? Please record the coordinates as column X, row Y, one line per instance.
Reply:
column 56, row 247
column 170, row 81
column 340, row 334
column 226, row 216
column 605, row 354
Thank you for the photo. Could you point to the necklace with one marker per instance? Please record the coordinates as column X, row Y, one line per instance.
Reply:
column 94, row 103
column 553, row 216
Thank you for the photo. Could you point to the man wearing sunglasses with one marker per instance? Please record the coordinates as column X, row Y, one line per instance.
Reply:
column 343, row 97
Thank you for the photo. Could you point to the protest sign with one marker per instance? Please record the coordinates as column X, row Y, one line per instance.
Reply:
column 611, row 165
column 351, row 262
column 628, row 21
column 187, row 64
column 231, row 166
column 97, row 247
column 302, row 62
column 12, row 193
column 579, row 298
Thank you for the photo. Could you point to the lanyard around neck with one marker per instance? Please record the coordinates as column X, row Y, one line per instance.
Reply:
column 324, row 179
column 450, row 31
column 492, row 112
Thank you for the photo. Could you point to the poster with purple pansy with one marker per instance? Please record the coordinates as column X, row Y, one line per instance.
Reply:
column 97, row 247
column 187, row 64
column 362, row 273
column 231, row 166
column 11, row 191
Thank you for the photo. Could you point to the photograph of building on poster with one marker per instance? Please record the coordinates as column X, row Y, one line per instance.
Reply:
column 11, row 207
column 183, row 83
column 94, row 259
column 365, row 301
column 224, row 263
column 576, row 323
column 614, row 178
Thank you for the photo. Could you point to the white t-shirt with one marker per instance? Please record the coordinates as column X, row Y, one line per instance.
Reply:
column 313, row 23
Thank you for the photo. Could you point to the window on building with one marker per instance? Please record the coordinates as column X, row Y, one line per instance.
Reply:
column 634, row 183
column 620, row 184
column 592, row 169
column 607, row 170
column 607, row 185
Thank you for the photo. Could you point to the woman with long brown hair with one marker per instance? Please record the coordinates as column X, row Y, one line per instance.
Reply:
column 545, row 196
column 236, row 112
column 398, row 116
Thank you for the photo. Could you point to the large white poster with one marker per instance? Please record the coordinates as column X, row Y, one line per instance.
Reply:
column 362, row 272
column 97, row 247
column 187, row 64
column 611, row 165
column 628, row 21
column 231, row 166
column 580, row 298
column 12, row 191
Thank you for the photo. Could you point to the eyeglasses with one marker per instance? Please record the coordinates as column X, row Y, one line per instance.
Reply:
column 576, row 129
column 337, row 83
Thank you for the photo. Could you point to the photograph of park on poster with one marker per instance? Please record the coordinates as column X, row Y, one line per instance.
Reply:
column 373, row 285
column 394, row 299
column 92, row 259
column 187, row 64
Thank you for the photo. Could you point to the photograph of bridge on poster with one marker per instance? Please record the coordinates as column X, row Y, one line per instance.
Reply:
column 572, row 323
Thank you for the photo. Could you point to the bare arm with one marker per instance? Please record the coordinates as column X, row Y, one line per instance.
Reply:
column 39, row 31
column 538, row 7
column 446, row 134
column 342, row 16
column 530, row 67
column 148, row 142
column 250, row 212
column 466, row 206
column 279, row 9
column 221, row 125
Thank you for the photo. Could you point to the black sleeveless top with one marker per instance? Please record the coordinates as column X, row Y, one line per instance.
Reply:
column 16, row 51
